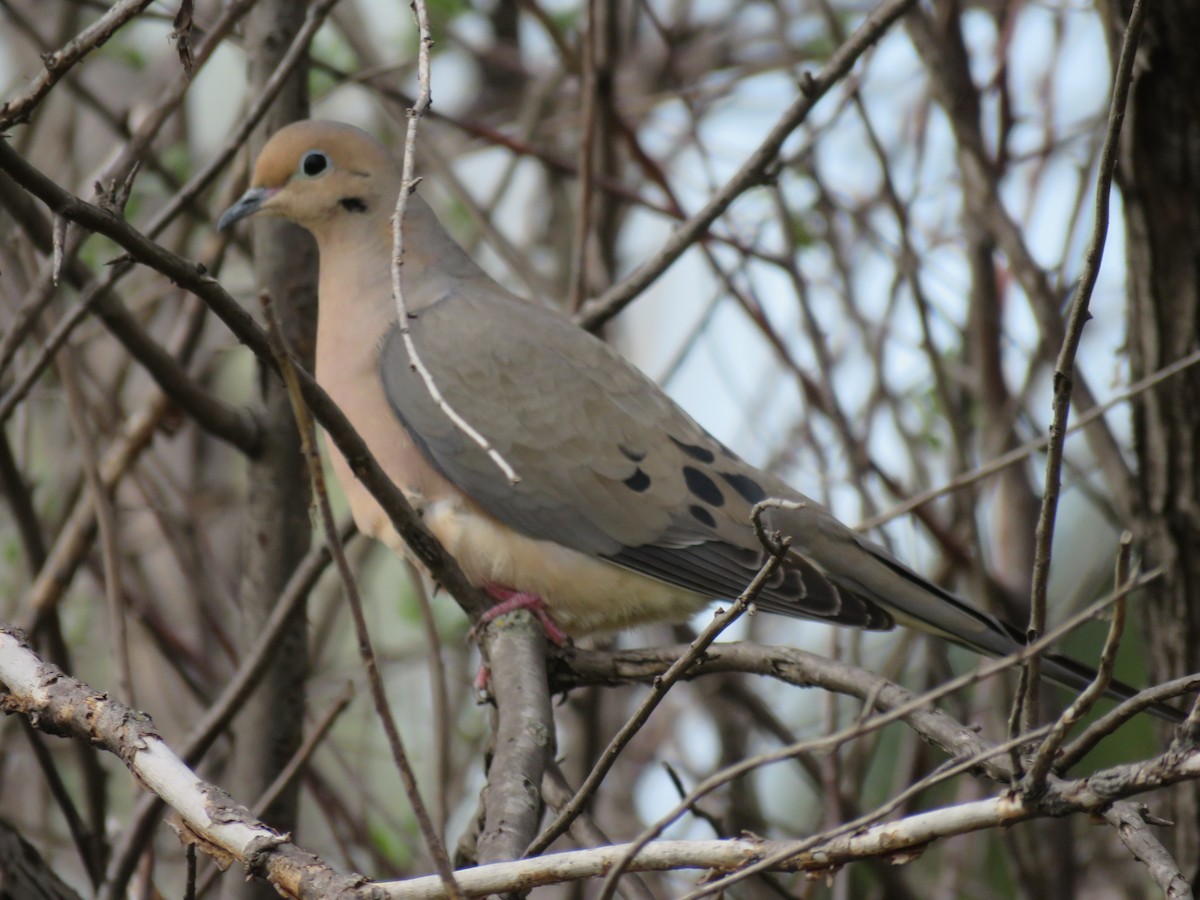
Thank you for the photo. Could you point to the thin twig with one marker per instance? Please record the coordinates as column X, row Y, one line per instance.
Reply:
column 1039, row 766
column 408, row 184
column 1019, row 454
column 596, row 312
column 1065, row 364
column 237, row 426
column 939, row 776
column 303, row 754
column 1130, row 819
column 876, row 722
column 106, row 519
column 151, row 121
column 1108, row 723
column 941, row 45
column 578, row 279
column 661, row 685
column 439, row 697
column 59, row 62
column 383, row 708
column 84, row 839
column 296, row 53
column 76, row 535
column 586, row 832
column 295, row 767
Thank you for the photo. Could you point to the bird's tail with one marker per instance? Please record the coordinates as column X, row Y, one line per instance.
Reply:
column 916, row 602
column 1077, row 676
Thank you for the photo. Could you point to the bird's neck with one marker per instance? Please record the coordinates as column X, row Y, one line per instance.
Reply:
column 357, row 306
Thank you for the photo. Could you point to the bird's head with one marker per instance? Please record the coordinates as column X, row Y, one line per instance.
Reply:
column 319, row 174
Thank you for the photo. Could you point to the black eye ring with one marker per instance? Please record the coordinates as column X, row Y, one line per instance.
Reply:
column 313, row 163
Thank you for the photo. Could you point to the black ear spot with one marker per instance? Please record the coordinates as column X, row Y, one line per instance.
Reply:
column 353, row 204
column 703, row 487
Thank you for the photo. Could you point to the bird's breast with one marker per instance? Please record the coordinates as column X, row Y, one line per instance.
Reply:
column 585, row 594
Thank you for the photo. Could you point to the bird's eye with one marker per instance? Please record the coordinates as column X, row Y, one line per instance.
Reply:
column 314, row 163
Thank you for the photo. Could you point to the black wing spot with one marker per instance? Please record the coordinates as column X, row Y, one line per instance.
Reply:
column 703, row 486
column 700, row 454
column 631, row 455
column 353, row 204
column 746, row 486
column 638, row 481
column 702, row 515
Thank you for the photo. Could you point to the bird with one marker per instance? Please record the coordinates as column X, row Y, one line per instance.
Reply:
column 619, row 508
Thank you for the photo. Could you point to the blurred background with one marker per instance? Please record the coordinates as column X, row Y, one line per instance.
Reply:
column 878, row 315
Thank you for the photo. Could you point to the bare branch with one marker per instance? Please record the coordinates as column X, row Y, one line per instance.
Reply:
column 753, row 171
column 60, row 61
column 1064, row 366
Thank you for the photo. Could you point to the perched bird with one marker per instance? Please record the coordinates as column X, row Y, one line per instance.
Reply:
column 623, row 510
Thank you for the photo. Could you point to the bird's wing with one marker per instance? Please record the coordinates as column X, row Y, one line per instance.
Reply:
column 606, row 463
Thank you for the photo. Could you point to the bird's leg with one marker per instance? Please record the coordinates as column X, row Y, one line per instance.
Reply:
column 508, row 600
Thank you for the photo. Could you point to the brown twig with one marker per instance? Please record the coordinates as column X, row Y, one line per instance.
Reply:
column 945, row 54
column 236, row 426
column 514, row 647
column 578, row 278
column 57, row 63
column 106, row 519
column 294, row 768
column 752, row 172
column 584, row 829
column 677, row 670
column 399, row 511
column 216, row 718
column 1019, row 454
column 1064, row 366
column 295, row 54
column 408, row 184
column 439, row 698
column 383, row 709
column 1039, row 767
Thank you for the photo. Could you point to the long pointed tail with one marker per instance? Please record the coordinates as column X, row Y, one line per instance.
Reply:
column 914, row 601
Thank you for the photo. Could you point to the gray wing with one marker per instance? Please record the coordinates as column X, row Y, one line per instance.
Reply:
column 610, row 466
column 607, row 463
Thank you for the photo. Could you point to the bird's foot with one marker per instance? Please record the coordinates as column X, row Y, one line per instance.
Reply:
column 508, row 600
column 483, row 677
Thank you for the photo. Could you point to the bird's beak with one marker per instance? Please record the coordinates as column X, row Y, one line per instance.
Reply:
column 247, row 205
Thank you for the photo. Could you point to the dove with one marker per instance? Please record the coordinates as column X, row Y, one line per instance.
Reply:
column 622, row 509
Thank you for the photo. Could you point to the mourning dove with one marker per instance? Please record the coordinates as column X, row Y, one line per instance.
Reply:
column 623, row 510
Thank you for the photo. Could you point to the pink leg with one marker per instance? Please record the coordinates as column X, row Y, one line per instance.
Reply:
column 508, row 600
column 482, row 677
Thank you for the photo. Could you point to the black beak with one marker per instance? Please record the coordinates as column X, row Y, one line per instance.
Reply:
column 247, row 205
